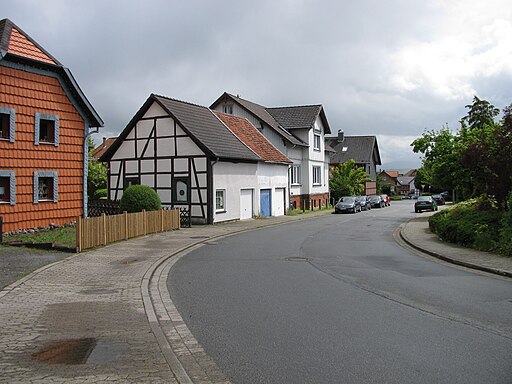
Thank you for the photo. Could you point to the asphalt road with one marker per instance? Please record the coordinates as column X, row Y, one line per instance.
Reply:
column 336, row 300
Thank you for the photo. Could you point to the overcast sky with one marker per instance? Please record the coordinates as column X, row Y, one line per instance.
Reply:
column 386, row 68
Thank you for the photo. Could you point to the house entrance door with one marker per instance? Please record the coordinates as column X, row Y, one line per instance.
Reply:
column 265, row 203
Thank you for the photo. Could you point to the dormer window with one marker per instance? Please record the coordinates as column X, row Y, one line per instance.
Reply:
column 228, row 108
column 344, row 149
column 46, row 129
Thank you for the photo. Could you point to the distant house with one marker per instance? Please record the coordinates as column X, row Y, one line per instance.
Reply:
column 398, row 183
column 298, row 132
column 390, row 179
column 216, row 166
column 364, row 150
column 102, row 148
column 405, row 185
column 45, row 120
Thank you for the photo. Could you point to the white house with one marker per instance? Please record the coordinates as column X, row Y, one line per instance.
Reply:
column 218, row 167
column 298, row 132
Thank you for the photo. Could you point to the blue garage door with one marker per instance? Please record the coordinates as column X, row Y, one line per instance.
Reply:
column 265, row 202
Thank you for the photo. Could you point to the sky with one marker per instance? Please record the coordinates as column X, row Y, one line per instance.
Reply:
column 386, row 68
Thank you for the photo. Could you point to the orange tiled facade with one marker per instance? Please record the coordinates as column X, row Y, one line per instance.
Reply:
column 29, row 93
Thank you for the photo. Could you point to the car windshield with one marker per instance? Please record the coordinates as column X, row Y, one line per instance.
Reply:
column 437, row 196
column 374, row 198
column 348, row 199
column 424, row 198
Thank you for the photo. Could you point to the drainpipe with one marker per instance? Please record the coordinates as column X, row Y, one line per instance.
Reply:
column 88, row 132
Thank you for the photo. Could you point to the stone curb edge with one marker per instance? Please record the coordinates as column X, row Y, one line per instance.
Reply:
column 454, row 261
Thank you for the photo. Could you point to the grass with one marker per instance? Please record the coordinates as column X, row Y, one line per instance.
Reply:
column 294, row 212
column 60, row 237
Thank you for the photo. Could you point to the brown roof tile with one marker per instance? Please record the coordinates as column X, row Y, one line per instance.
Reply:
column 101, row 149
column 251, row 137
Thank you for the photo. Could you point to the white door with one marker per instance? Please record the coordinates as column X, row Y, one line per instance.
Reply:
column 245, row 204
column 278, row 202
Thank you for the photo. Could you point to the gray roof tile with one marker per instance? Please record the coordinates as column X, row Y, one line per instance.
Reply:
column 358, row 148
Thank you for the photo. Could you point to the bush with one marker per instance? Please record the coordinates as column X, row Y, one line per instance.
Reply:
column 100, row 194
column 138, row 197
column 506, row 229
column 465, row 224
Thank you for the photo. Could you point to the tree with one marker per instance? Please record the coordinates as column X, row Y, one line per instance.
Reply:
column 97, row 172
column 474, row 161
column 347, row 179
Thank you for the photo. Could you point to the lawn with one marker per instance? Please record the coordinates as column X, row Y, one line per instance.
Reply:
column 59, row 237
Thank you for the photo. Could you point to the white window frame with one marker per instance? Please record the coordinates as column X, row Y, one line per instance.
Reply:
column 317, row 175
column 12, row 186
column 220, row 207
column 317, row 139
column 12, row 123
column 295, row 174
column 227, row 108
column 50, row 174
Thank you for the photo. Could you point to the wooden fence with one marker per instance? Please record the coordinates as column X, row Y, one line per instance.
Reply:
column 95, row 231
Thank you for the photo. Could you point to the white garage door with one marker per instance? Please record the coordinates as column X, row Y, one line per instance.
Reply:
column 278, row 202
column 245, row 204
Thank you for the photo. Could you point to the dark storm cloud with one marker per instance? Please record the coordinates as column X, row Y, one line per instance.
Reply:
column 356, row 58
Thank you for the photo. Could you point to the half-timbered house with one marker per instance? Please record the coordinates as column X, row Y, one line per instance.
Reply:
column 218, row 168
column 44, row 123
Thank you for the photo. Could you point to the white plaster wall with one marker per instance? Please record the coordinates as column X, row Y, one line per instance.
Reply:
column 272, row 176
column 232, row 178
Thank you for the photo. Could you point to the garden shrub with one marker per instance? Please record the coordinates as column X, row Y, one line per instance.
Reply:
column 100, row 194
column 139, row 197
column 506, row 229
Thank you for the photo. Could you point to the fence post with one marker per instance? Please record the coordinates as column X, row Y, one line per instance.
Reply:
column 1, row 229
column 161, row 220
column 78, row 235
column 104, row 229
column 144, row 222
column 177, row 210
column 125, row 218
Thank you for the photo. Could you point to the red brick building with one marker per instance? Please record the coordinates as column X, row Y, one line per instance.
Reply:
column 44, row 123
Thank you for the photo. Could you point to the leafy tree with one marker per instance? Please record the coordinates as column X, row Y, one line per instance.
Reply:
column 347, row 179
column 97, row 172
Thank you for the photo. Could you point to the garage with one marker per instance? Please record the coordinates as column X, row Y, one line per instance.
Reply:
column 246, row 204
column 278, row 201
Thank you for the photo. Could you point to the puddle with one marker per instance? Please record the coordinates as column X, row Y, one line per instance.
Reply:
column 68, row 352
column 99, row 291
column 78, row 351
column 199, row 237
column 129, row 260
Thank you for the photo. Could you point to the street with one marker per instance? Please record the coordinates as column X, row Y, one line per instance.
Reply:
column 337, row 300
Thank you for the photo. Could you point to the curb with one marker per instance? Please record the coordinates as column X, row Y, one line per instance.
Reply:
column 454, row 261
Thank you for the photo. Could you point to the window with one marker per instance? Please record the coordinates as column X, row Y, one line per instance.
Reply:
column 228, row 108
column 47, row 129
column 295, row 174
column 219, row 200
column 316, row 142
column 317, row 175
column 45, row 186
column 7, row 124
column 7, row 187
column 129, row 181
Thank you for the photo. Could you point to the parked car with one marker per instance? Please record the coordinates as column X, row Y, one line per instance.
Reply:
column 439, row 199
column 425, row 203
column 347, row 204
column 406, row 197
column 387, row 200
column 376, row 201
column 364, row 203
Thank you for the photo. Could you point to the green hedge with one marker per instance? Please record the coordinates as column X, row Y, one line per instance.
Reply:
column 139, row 197
column 476, row 224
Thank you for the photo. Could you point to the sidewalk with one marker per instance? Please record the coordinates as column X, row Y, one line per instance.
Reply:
column 106, row 315
column 417, row 234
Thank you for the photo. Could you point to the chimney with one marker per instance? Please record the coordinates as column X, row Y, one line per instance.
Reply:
column 104, row 139
column 341, row 136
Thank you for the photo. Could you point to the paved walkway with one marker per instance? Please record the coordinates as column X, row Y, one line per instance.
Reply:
column 106, row 315
column 417, row 234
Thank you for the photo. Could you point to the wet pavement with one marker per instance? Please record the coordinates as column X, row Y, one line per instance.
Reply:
column 106, row 315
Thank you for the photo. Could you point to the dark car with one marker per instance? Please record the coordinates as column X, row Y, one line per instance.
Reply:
column 364, row 203
column 387, row 200
column 425, row 203
column 439, row 199
column 376, row 201
column 347, row 204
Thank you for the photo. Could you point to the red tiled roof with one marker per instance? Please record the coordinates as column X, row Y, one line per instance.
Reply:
column 102, row 148
column 251, row 137
column 392, row 173
column 20, row 45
